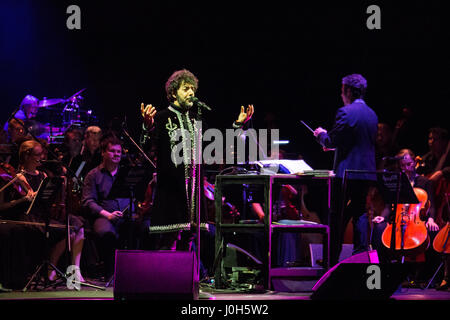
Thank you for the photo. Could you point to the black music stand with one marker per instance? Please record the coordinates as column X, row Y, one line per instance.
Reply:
column 131, row 182
column 46, row 195
column 395, row 189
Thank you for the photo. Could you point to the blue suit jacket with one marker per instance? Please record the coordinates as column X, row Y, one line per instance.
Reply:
column 353, row 135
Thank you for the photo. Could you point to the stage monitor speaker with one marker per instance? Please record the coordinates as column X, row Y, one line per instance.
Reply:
column 359, row 277
column 155, row 275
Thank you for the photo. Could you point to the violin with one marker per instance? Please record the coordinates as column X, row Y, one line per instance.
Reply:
column 410, row 232
column 9, row 175
column 146, row 205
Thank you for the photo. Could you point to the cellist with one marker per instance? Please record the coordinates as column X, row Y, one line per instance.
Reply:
column 436, row 166
column 407, row 164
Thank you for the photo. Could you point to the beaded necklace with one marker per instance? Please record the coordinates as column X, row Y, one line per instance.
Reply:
column 189, row 152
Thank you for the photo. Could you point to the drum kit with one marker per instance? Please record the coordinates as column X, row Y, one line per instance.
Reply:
column 55, row 116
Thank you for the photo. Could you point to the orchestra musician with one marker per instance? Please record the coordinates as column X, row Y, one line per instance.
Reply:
column 81, row 151
column 27, row 110
column 436, row 162
column 15, row 205
column 353, row 136
column 175, row 209
column 90, row 151
column 435, row 165
column 407, row 164
column 107, row 213
column 16, row 135
column 71, row 147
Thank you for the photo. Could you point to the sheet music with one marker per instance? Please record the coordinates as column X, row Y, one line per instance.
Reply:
column 293, row 166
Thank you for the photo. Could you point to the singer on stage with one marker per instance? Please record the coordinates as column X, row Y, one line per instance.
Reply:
column 353, row 135
column 174, row 214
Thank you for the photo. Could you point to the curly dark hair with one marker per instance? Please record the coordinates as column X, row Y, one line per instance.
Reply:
column 356, row 83
column 176, row 79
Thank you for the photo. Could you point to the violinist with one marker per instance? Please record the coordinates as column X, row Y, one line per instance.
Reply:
column 436, row 166
column 436, row 163
column 407, row 165
column 16, row 135
column 13, row 267
column 31, row 153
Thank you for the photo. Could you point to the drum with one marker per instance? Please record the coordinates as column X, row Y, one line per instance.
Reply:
column 77, row 117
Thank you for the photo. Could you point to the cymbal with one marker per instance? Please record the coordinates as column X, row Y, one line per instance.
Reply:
column 76, row 94
column 49, row 102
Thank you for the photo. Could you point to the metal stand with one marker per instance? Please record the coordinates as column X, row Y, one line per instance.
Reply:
column 199, row 187
column 111, row 280
column 46, row 264
column 435, row 274
column 395, row 193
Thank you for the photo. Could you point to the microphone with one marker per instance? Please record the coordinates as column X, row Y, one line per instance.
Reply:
column 397, row 158
column 199, row 103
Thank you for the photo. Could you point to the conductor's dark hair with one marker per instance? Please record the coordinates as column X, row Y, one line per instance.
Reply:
column 175, row 81
column 357, row 85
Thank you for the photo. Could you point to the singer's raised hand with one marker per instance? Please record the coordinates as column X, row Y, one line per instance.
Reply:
column 245, row 115
column 148, row 113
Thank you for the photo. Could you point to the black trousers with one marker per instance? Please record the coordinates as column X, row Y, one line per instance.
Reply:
column 349, row 204
column 112, row 235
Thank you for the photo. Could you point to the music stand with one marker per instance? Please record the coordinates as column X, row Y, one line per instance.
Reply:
column 395, row 189
column 46, row 195
column 131, row 182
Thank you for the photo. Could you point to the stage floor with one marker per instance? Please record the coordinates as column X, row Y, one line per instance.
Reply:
column 61, row 292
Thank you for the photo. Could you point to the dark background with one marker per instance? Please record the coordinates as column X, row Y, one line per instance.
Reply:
column 284, row 58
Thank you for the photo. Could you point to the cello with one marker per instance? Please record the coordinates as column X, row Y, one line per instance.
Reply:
column 411, row 234
column 441, row 242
